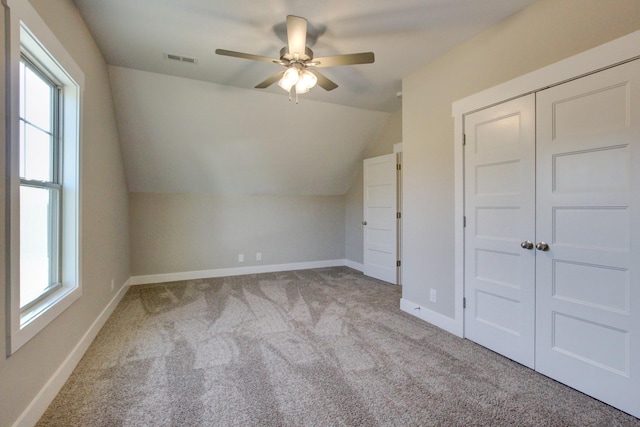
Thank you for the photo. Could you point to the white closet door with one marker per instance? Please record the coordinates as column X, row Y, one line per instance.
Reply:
column 380, row 222
column 500, row 217
column 588, row 211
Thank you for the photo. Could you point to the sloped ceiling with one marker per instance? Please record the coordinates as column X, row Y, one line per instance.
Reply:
column 203, row 128
column 186, row 136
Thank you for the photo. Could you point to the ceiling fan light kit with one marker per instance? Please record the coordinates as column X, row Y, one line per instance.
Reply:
column 298, row 60
column 289, row 79
column 307, row 81
column 296, row 77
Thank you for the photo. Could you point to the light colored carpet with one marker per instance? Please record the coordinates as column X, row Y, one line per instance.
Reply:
column 324, row 347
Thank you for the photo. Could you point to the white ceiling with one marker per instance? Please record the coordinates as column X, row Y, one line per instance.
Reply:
column 403, row 34
column 203, row 128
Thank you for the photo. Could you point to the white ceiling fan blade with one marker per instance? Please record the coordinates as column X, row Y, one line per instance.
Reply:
column 244, row 55
column 297, row 35
column 348, row 59
column 323, row 81
column 271, row 80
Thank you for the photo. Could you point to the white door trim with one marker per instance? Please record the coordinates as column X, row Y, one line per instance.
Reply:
column 607, row 55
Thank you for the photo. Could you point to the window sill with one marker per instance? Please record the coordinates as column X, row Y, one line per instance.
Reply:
column 40, row 315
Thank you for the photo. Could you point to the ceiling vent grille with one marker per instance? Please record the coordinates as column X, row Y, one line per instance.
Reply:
column 174, row 57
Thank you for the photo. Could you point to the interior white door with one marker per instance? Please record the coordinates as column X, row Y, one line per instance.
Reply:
column 499, row 233
column 379, row 222
column 588, row 212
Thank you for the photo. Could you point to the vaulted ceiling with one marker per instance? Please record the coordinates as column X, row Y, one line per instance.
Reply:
column 203, row 127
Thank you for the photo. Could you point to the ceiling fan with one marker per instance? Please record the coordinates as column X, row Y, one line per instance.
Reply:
column 300, row 72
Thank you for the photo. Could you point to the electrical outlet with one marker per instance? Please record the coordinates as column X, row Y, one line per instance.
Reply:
column 240, row 257
column 113, row 284
column 432, row 295
column 258, row 256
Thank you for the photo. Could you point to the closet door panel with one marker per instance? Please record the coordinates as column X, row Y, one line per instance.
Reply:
column 499, row 210
column 587, row 211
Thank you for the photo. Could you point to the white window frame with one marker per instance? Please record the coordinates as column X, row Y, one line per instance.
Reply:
column 27, row 32
column 51, row 184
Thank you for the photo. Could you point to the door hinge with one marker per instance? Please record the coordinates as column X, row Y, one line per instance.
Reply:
column 398, row 166
column 464, row 139
column 398, row 263
column 464, row 303
column 398, row 215
column 464, row 221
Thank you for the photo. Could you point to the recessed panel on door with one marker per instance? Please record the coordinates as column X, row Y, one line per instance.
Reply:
column 596, row 285
column 498, row 312
column 498, row 178
column 599, row 111
column 575, row 171
column 591, row 227
column 498, row 222
column 497, row 133
column 605, row 349
column 508, row 274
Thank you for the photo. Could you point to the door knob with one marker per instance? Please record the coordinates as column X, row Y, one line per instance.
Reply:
column 542, row 246
column 526, row 245
column 364, row 222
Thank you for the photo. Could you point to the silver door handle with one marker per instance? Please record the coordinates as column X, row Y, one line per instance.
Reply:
column 364, row 222
column 542, row 246
column 526, row 245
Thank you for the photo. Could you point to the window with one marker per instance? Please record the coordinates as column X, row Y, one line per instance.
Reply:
column 43, row 164
column 40, row 188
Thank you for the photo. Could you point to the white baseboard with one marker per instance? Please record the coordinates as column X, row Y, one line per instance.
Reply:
column 447, row 323
column 43, row 399
column 355, row 265
column 238, row 271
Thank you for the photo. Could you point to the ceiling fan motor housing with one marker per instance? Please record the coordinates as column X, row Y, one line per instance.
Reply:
column 285, row 55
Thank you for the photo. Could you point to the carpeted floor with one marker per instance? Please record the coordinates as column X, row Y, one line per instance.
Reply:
column 324, row 347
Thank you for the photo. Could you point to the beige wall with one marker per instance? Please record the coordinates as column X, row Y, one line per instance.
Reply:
column 172, row 233
column 544, row 33
column 178, row 232
column 389, row 135
column 105, row 237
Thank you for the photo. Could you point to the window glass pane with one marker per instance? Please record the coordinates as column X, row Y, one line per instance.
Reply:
column 37, row 100
column 37, row 154
column 22, row 151
column 38, row 226
column 22, row 75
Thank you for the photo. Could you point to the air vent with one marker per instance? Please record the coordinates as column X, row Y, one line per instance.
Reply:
column 180, row 58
